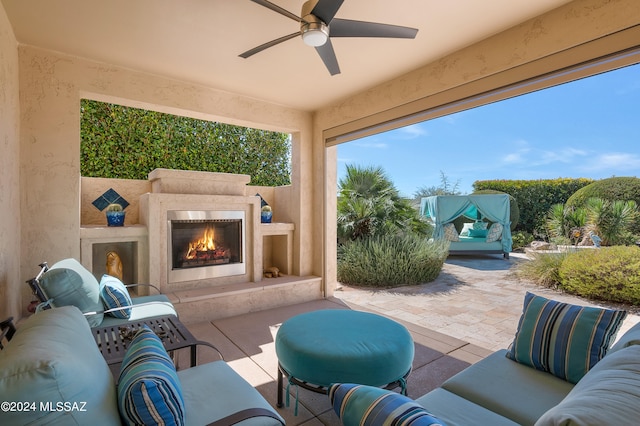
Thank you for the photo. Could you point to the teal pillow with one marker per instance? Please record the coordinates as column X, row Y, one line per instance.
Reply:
column 114, row 294
column 480, row 225
column 149, row 391
column 66, row 287
column 478, row 233
column 563, row 339
column 367, row 405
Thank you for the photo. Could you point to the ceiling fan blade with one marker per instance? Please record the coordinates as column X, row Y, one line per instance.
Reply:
column 277, row 9
column 268, row 45
column 328, row 56
column 326, row 9
column 349, row 28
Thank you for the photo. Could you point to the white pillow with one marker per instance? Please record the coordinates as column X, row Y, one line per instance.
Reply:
column 495, row 233
column 465, row 229
column 450, row 232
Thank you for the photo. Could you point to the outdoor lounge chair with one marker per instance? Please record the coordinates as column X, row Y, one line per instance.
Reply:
column 67, row 282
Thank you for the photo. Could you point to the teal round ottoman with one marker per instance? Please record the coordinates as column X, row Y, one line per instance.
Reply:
column 319, row 348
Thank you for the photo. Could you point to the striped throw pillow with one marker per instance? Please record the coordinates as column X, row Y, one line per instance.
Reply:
column 563, row 339
column 368, row 405
column 149, row 391
column 114, row 294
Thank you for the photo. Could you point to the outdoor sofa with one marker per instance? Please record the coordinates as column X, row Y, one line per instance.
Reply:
column 562, row 374
column 52, row 373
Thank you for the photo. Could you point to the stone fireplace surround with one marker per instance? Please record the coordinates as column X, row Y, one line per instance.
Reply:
column 200, row 300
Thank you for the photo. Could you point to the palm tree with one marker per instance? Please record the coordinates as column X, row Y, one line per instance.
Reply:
column 369, row 204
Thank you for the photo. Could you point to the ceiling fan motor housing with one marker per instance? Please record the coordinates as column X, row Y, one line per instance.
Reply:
column 314, row 31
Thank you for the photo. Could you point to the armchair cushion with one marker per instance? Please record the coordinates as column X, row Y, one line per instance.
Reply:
column 66, row 287
column 114, row 294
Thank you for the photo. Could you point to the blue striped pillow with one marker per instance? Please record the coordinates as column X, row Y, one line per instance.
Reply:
column 371, row 406
column 563, row 339
column 149, row 391
column 114, row 294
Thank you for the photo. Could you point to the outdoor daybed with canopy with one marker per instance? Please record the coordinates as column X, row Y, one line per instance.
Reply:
column 489, row 234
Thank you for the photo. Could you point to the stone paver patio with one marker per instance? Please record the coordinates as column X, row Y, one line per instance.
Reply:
column 476, row 299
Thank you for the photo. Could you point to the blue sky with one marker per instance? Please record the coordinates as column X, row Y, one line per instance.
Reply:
column 588, row 128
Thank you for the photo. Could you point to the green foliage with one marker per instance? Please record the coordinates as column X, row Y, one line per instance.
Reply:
column 611, row 189
column 521, row 239
column 128, row 143
column 609, row 274
column 612, row 220
column 391, row 260
column 562, row 222
column 534, row 197
column 543, row 269
column 369, row 204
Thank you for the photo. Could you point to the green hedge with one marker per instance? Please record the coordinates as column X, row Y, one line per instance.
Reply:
column 128, row 143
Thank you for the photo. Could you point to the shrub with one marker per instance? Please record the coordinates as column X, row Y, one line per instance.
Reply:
column 543, row 269
column 391, row 260
column 611, row 189
column 521, row 239
column 609, row 274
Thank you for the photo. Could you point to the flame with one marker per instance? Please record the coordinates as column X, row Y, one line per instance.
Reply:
column 206, row 243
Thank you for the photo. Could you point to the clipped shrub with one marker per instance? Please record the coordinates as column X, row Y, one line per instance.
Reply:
column 391, row 260
column 610, row 274
column 611, row 189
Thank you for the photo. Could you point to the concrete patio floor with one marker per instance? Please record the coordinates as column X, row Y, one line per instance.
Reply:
column 471, row 310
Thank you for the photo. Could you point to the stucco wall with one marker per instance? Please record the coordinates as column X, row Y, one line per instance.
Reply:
column 51, row 86
column 10, row 277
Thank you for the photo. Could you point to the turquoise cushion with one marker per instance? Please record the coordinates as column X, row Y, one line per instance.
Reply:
column 53, row 361
column 563, row 339
column 477, row 233
column 366, row 405
column 480, row 225
column 66, row 287
column 608, row 395
column 149, row 391
column 114, row 294
column 339, row 345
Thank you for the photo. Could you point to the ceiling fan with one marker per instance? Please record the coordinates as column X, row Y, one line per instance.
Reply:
column 318, row 25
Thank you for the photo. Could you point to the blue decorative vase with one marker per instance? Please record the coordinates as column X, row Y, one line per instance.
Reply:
column 265, row 217
column 115, row 218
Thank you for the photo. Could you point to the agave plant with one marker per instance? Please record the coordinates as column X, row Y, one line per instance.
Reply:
column 612, row 220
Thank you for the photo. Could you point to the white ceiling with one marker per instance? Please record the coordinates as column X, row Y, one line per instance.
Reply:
column 199, row 40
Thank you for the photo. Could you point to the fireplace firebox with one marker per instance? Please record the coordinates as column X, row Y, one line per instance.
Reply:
column 205, row 244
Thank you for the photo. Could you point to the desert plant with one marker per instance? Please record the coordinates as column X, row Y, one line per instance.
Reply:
column 609, row 274
column 391, row 260
column 542, row 269
column 267, row 208
column 612, row 220
column 564, row 223
column 114, row 207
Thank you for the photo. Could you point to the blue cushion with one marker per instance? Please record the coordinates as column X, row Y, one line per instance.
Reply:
column 67, row 287
column 480, row 225
column 477, row 233
column 366, row 405
column 563, row 339
column 149, row 391
column 114, row 294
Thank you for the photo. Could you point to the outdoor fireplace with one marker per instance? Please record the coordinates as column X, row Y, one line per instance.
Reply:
column 205, row 244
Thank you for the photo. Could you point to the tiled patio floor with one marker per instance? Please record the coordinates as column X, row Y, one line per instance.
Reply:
column 471, row 310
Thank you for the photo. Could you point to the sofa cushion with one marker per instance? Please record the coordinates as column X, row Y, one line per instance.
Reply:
column 149, row 391
column 609, row 394
column 450, row 233
column 506, row 388
column 477, row 233
column 455, row 410
column 114, row 295
column 213, row 391
column 565, row 340
column 53, row 361
column 494, row 233
column 64, row 287
column 359, row 404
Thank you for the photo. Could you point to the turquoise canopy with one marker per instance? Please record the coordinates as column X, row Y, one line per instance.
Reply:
column 442, row 209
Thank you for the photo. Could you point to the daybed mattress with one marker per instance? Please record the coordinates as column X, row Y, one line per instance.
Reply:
column 475, row 244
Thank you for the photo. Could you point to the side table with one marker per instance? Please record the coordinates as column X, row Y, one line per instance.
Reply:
column 114, row 340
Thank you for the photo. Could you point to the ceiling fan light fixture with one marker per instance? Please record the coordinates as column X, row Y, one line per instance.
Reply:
column 314, row 33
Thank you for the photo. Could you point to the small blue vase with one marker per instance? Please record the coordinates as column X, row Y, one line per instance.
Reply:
column 265, row 217
column 115, row 218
